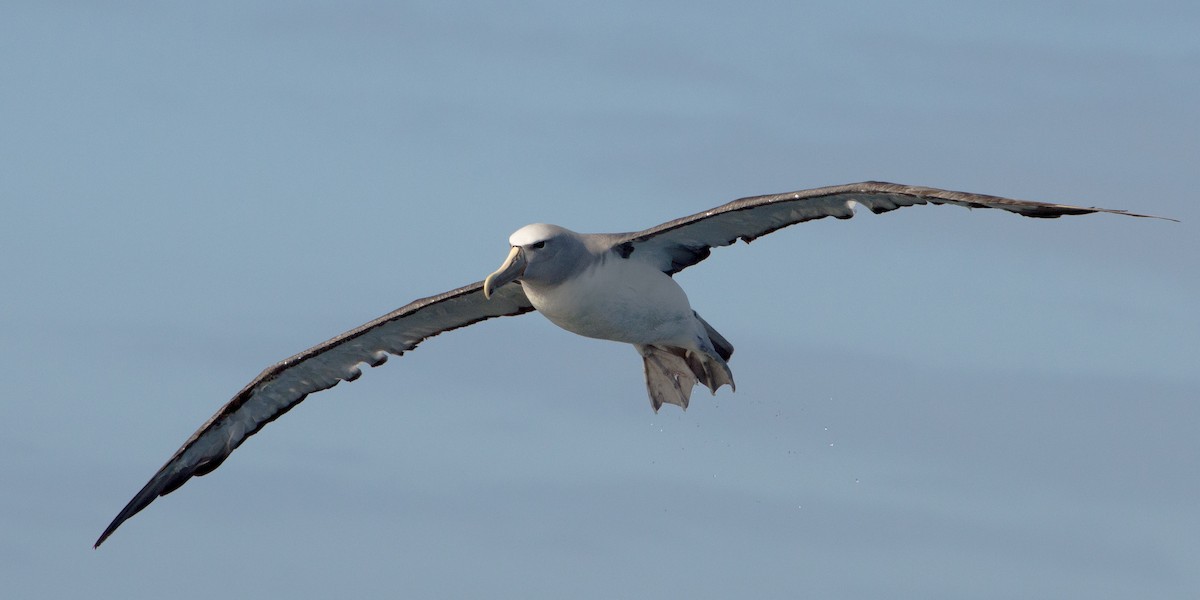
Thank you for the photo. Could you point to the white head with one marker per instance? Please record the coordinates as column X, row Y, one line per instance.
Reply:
column 541, row 254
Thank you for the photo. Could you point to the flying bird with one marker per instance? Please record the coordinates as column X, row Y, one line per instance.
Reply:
column 608, row 286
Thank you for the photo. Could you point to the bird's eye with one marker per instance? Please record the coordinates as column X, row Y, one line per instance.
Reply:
column 541, row 244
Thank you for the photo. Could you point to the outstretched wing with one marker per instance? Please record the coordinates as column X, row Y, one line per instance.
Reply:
column 676, row 245
column 286, row 384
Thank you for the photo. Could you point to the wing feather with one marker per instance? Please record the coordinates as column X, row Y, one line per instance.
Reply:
column 676, row 245
column 284, row 385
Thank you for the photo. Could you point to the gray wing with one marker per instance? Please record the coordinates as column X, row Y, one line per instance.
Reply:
column 678, row 244
column 286, row 384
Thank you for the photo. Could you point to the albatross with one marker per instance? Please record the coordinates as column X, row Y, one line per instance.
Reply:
column 616, row 287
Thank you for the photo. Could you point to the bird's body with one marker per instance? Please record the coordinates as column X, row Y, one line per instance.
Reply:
column 608, row 286
column 611, row 298
column 583, row 283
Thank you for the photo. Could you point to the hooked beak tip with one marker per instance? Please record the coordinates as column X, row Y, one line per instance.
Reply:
column 513, row 267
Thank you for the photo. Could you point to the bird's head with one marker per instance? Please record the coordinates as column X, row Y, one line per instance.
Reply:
column 540, row 254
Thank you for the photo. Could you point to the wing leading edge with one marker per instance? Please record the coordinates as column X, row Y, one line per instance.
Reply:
column 676, row 245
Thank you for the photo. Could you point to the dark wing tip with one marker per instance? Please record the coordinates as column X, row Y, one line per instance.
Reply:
column 152, row 490
column 1140, row 216
column 107, row 532
column 168, row 479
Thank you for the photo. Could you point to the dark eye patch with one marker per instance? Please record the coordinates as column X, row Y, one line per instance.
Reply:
column 541, row 244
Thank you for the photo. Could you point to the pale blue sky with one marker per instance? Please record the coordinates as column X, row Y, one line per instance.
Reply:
column 932, row 403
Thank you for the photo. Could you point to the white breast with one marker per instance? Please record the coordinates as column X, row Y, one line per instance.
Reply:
column 620, row 300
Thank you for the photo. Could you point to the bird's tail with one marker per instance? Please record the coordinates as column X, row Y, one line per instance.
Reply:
column 720, row 344
column 671, row 372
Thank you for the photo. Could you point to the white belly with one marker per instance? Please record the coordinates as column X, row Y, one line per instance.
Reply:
column 620, row 300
